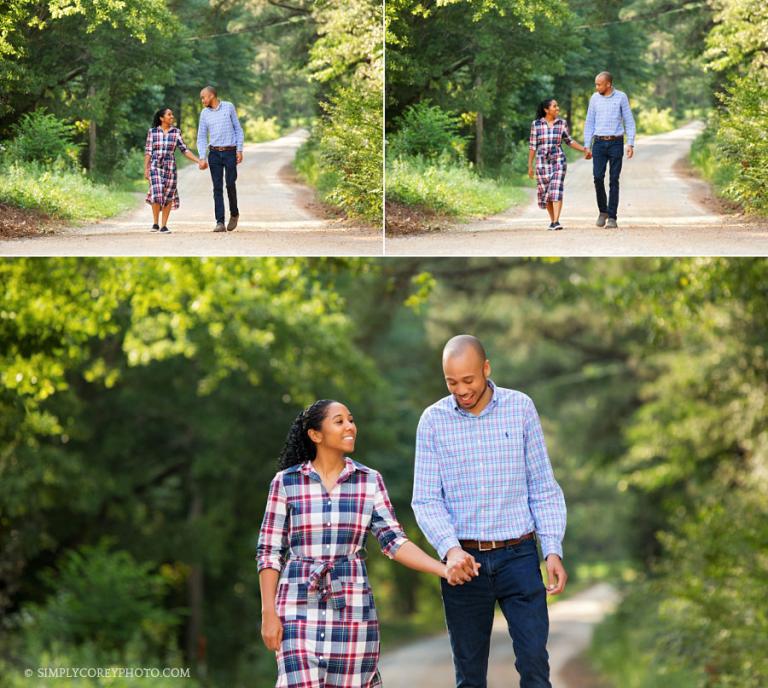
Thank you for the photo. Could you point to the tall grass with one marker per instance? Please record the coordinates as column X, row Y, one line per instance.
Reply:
column 448, row 187
column 59, row 192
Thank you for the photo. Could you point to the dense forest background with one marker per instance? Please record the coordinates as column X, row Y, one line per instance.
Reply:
column 86, row 77
column 464, row 78
column 144, row 403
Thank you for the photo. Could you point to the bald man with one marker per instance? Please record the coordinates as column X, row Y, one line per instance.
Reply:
column 483, row 494
column 609, row 119
column 220, row 146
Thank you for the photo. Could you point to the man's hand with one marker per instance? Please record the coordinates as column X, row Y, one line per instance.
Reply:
column 202, row 165
column 587, row 154
column 239, row 157
column 462, row 566
column 271, row 630
column 556, row 575
column 630, row 151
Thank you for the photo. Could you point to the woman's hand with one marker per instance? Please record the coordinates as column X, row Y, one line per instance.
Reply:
column 271, row 630
column 146, row 173
column 530, row 171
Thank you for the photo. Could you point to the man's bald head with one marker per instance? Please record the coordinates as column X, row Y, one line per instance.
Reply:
column 466, row 371
column 210, row 90
column 607, row 76
column 460, row 344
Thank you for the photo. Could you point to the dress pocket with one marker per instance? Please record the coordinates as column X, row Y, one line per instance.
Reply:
column 291, row 601
column 357, row 601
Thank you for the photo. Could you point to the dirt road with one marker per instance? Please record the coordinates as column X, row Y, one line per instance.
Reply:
column 275, row 219
column 660, row 213
column 428, row 664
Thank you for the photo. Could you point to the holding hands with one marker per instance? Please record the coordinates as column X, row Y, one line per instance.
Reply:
column 202, row 164
column 461, row 566
column 587, row 154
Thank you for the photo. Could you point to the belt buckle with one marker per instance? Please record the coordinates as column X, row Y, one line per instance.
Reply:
column 486, row 549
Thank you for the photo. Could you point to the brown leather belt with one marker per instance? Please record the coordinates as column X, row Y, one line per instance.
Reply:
column 609, row 138
column 222, row 148
column 494, row 544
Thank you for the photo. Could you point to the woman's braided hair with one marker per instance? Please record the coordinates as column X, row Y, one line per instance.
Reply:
column 298, row 446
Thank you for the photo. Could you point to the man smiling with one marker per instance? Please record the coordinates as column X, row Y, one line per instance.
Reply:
column 483, row 493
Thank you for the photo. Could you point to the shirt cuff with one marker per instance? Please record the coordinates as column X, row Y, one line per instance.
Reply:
column 391, row 549
column 550, row 545
column 445, row 544
column 269, row 562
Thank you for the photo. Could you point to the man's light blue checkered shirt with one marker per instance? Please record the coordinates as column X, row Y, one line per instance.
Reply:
column 609, row 116
column 221, row 125
column 486, row 477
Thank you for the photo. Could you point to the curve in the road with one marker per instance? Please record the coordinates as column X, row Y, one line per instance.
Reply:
column 658, row 215
column 275, row 219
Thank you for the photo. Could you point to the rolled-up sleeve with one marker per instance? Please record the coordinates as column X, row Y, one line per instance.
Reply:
column 428, row 501
column 148, row 143
column 273, row 536
column 532, row 137
column 545, row 498
column 384, row 524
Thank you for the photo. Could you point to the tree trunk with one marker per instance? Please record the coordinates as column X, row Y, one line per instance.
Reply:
column 196, row 641
column 479, row 141
column 92, row 133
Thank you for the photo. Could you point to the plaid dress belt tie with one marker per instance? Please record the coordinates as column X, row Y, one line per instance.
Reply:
column 323, row 577
column 549, row 152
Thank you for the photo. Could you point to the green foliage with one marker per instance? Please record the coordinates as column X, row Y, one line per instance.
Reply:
column 653, row 120
column 309, row 166
column 105, row 597
column 348, row 59
column 351, row 147
column 41, row 137
column 706, row 157
column 747, row 102
column 448, row 187
column 428, row 131
column 257, row 129
column 60, row 192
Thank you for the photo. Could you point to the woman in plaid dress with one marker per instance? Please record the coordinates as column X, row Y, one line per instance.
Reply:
column 160, row 166
column 318, row 613
column 548, row 132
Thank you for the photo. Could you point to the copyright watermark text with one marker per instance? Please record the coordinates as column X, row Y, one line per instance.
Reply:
column 108, row 672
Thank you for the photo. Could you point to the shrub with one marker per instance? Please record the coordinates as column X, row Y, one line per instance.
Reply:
column 746, row 103
column 350, row 147
column 41, row 137
column 257, row 129
column 102, row 597
column 427, row 130
column 655, row 121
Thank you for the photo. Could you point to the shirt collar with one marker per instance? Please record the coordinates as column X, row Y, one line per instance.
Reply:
column 350, row 466
column 492, row 404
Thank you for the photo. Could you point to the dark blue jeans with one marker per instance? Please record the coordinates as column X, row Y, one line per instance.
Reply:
column 604, row 152
column 512, row 577
column 220, row 162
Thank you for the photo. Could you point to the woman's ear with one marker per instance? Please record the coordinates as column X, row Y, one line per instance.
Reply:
column 315, row 436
